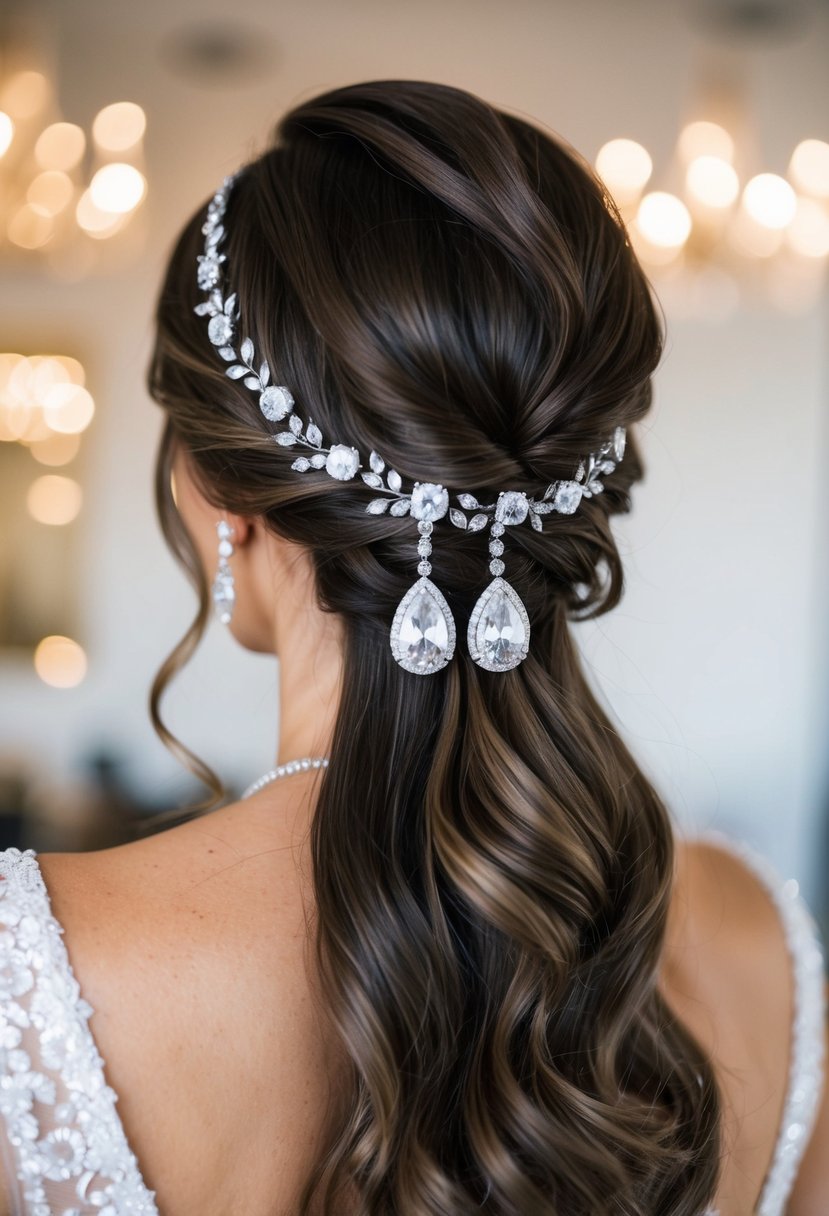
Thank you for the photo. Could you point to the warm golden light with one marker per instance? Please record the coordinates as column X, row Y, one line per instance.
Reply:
column 705, row 139
column 51, row 190
column 27, row 387
column 712, row 181
column 625, row 168
column 45, row 371
column 119, row 126
column 664, row 220
column 68, row 408
column 60, row 662
column 6, row 132
column 53, row 499
column 56, row 449
column 25, row 94
column 74, row 369
column 60, row 146
column 117, row 188
column 95, row 222
column 809, row 167
column 808, row 233
column 770, row 200
column 30, row 227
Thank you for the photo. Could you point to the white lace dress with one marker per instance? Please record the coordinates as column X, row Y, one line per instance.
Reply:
column 62, row 1141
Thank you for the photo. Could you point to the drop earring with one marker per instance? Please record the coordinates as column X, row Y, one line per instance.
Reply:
column 224, row 593
column 422, row 633
column 498, row 635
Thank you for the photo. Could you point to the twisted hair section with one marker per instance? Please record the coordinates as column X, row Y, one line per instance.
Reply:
column 450, row 286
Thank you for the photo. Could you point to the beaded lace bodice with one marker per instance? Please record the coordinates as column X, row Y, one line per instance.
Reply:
column 64, row 1147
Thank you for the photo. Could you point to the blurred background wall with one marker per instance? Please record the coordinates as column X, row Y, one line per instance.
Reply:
column 716, row 664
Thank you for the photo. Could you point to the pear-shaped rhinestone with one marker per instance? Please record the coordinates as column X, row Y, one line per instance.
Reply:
column 423, row 630
column 499, row 628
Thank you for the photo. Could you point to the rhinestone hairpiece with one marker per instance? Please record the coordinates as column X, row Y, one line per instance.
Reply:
column 422, row 635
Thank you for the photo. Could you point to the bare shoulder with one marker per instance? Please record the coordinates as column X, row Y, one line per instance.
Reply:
column 192, row 948
column 727, row 973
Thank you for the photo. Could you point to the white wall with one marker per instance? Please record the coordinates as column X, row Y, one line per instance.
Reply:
column 716, row 662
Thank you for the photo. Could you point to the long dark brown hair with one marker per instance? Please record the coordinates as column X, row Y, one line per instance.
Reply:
column 447, row 284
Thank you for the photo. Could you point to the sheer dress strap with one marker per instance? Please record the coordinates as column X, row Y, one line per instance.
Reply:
column 806, row 1059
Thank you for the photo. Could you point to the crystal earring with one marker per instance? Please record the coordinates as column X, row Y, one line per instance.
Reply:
column 498, row 635
column 224, row 594
column 423, row 630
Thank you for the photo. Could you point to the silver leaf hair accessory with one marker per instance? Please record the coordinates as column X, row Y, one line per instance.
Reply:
column 422, row 635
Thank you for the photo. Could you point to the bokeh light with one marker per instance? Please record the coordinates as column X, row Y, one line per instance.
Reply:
column 117, row 187
column 712, row 181
column 68, row 408
column 664, row 220
column 55, row 449
column 60, row 146
column 60, row 661
column 51, row 190
column 55, row 500
column 25, row 94
column 809, row 167
column 95, row 222
column 6, row 132
column 770, row 200
column 119, row 126
column 625, row 168
column 30, row 227
column 705, row 139
column 808, row 233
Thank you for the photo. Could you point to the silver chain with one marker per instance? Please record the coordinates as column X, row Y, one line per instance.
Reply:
column 284, row 770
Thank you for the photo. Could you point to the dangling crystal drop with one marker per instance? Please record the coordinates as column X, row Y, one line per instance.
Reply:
column 423, row 630
column 498, row 636
column 224, row 597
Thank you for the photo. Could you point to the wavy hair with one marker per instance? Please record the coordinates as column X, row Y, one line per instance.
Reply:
column 450, row 285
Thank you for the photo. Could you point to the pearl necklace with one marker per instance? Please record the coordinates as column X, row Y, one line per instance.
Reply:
column 284, row 770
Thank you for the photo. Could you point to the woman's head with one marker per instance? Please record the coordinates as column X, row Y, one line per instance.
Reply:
column 375, row 272
column 446, row 284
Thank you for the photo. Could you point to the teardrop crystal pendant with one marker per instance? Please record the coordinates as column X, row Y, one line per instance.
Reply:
column 498, row 635
column 423, row 630
column 499, row 628
column 422, row 636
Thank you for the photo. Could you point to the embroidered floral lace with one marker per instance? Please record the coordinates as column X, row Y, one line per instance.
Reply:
column 63, row 1144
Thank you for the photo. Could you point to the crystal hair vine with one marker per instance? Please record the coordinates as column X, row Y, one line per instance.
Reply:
column 422, row 635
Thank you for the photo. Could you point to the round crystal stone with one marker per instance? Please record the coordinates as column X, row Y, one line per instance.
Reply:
column 220, row 329
column 429, row 501
column 275, row 402
column 496, row 547
column 568, row 497
column 512, row 507
column 342, row 462
column 497, row 528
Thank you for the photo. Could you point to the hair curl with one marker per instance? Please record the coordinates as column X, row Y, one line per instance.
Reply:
column 445, row 283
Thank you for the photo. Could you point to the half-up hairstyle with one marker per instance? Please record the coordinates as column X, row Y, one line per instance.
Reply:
column 448, row 285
